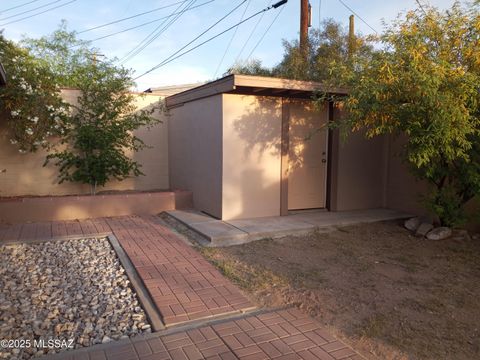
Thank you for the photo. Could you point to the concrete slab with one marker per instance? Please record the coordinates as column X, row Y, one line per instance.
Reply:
column 220, row 233
column 190, row 216
column 233, row 232
column 345, row 218
column 272, row 227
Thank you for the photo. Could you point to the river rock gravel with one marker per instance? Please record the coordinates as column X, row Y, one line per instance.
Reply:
column 74, row 292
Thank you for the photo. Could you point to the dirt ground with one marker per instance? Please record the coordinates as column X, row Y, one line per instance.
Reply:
column 387, row 293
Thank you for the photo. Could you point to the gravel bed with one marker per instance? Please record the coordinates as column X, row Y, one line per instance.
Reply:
column 72, row 290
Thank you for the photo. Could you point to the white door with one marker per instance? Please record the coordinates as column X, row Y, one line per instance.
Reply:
column 307, row 156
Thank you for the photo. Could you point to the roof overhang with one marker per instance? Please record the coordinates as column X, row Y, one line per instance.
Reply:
column 3, row 78
column 253, row 85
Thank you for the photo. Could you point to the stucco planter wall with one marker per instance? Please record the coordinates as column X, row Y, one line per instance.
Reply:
column 13, row 210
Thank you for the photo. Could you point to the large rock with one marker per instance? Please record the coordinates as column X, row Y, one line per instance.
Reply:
column 439, row 233
column 413, row 223
column 423, row 229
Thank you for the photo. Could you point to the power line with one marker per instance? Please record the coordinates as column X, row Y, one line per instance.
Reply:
column 421, row 6
column 154, row 34
column 146, row 23
column 39, row 13
column 206, row 30
column 251, row 34
column 319, row 14
column 165, row 62
column 28, row 11
column 17, row 6
column 131, row 17
column 230, row 42
column 354, row 13
column 265, row 33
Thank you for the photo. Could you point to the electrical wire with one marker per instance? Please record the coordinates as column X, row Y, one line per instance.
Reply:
column 131, row 17
column 170, row 59
column 421, row 6
column 230, row 42
column 354, row 13
column 39, row 13
column 265, row 33
column 146, row 23
column 251, row 34
column 28, row 11
column 17, row 6
column 206, row 30
column 154, row 34
column 319, row 14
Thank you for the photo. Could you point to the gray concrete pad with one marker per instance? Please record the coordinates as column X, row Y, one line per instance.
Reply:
column 190, row 216
column 344, row 218
column 272, row 227
column 232, row 232
column 220, row 233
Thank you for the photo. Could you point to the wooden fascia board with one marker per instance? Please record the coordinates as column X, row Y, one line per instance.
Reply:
column 216, row 87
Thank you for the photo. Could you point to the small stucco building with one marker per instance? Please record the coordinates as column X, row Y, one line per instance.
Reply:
column 249, row 146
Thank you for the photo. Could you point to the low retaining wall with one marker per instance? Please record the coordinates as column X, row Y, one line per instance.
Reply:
column 31, row 209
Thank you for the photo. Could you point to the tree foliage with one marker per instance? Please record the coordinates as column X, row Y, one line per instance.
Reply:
column 93, row 137
column 34, row 108
column 101, row 129
column 327, row 45
column 424, row 84
column 63, row 52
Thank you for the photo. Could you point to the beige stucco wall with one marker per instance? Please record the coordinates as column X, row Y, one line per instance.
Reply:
column 359, row 175
column 195, row 152
column 25, row 175
column 251, row 156
column 403, row 189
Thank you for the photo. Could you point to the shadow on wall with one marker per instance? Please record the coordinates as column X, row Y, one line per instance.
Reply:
column 26, row 175
column 252, row 151
column 259, row 136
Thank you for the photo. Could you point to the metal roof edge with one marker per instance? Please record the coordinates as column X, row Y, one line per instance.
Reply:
column 234, row 81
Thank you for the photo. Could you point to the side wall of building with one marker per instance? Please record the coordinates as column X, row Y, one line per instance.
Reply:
column 252, row 129
column 24, row 174
column 195, row 152
column 358, row 171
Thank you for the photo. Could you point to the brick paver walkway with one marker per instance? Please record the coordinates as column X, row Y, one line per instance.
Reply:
column 185, row 287
column 282, row 335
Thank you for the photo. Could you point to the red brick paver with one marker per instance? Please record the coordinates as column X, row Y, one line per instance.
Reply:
column 183, row 285
column 286, row 334
column 186, row 287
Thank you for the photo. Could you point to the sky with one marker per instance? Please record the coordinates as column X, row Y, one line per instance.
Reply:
column 204, row 63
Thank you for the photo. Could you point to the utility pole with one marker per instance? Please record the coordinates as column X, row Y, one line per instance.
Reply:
column 351, row 36
column 94, row 57
column 304, row 17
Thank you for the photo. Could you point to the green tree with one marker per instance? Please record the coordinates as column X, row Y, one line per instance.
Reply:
column 63, row 52
column 424, row 85
column 327, row 45
column 100, row 131
column 35, row 109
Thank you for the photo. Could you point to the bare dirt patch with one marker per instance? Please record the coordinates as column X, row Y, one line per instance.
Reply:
column 385, row 292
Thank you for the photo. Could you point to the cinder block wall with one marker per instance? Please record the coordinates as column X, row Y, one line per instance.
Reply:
column 24, row 174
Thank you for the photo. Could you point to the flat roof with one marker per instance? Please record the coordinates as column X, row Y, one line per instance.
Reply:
column 3, row 78
column 170, row 90
column 252, row 85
